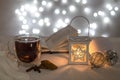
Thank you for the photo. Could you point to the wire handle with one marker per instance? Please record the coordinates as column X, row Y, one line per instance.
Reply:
column 83, row 18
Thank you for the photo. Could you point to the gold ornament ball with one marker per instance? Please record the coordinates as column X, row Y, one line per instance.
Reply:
column 97, row 59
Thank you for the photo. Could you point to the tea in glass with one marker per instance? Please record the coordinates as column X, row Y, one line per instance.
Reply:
column 27, row 48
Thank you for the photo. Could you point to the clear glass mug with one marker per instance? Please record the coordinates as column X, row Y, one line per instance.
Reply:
column 26, row 49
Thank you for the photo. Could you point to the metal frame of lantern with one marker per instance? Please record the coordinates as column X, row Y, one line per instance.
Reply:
column 79, row 47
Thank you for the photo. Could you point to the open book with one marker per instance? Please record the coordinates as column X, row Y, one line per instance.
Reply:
column 58, row 42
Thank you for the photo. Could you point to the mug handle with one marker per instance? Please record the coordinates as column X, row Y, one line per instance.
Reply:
column 11, row 51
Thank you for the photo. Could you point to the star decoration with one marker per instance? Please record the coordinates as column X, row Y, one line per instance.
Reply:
column 79, row 53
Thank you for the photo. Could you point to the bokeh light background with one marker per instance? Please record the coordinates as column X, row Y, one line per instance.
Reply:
column 46, row 17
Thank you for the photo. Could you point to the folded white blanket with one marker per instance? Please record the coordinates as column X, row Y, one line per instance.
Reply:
column 9, row 69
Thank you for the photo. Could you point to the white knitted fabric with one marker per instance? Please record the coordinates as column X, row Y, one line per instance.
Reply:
column 9, row 69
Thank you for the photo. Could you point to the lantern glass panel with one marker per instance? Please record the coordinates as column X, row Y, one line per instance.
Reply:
column 78, row 50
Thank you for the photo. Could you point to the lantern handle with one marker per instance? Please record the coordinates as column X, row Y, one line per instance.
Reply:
column 83, row 18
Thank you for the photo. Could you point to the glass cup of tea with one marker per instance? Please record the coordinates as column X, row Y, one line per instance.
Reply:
column 27, row 49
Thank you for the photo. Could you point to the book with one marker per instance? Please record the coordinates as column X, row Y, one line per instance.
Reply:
column 58, row 42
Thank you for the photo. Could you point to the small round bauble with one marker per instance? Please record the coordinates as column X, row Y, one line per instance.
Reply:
column 97, row 59
column 111, row 57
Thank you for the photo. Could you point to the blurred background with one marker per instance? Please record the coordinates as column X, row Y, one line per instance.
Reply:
column 46, row 17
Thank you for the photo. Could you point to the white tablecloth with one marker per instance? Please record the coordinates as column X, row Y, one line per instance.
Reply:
column 65, row 71
column 10, row 71
column 74, row 72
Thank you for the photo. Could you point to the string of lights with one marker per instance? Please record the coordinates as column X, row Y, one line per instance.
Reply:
column 41, row 16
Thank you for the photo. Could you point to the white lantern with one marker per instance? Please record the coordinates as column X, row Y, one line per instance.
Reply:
column 79, row 50
column 79, row 47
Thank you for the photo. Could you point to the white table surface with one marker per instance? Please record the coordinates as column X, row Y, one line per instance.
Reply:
column 64, row 71
column 74, row 72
